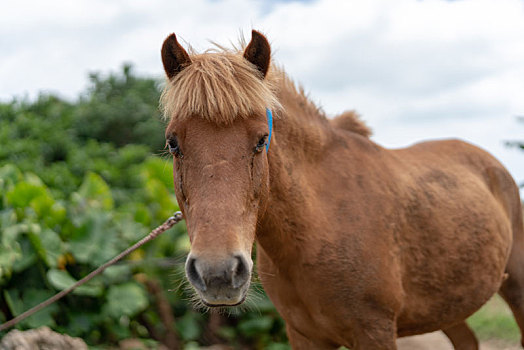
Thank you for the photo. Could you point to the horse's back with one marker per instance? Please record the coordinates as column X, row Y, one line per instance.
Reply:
column 448, row 161
column 458, row 205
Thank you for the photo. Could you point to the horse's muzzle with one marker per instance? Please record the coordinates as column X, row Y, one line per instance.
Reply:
column 221, row 282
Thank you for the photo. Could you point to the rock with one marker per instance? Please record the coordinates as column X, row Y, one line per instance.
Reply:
column 40, row 339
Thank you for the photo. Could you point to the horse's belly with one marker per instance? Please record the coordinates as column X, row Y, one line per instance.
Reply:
column 445, row 284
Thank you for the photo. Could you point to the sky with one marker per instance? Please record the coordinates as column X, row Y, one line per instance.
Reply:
column 415, row 70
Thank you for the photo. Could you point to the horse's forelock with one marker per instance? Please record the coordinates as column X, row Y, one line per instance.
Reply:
column 219, row 87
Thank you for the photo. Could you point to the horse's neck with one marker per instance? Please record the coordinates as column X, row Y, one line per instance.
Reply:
column 300, row 138
column 302, row 131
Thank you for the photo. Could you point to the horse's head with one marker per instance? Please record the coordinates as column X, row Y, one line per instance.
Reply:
column 218, row 131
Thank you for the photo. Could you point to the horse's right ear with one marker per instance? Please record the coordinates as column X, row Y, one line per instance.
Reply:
column 174, row 57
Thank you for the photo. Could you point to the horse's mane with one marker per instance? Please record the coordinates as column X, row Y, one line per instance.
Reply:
column 350, row 120
column 220, row 86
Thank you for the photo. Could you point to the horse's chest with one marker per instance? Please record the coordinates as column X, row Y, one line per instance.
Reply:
column 303, row 313
column 307, row 305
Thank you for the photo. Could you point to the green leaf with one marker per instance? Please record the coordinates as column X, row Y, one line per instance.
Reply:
column 31, row 297
column 160, row 196
column 33, row 194
column 126, row 299
column 61, row 280
column 94, row 242
column 14, row 302
column 27, row 258
column 117, row 273
column 96, row 191
column 8, row 256
column 33, row 179
column 10, row 174
column 79, row 323
column 44, row 317
column 188, row 326
column 256, row 325
column 159, row 169
column 23, row 193
column 10, row 249
column 47, row 245
column 141, row 214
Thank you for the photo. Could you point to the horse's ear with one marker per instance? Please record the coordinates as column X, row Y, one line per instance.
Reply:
column 174, row 57
column 258, row 52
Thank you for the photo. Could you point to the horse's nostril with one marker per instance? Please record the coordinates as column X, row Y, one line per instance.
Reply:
column 193, row 274
column 218, row 276
column 240, row 272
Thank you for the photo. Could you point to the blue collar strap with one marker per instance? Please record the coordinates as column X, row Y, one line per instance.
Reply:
column 269, row 116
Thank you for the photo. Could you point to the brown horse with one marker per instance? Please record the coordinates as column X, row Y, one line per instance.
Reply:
column 357, row 244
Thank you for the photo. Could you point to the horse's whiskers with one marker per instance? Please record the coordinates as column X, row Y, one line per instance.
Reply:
column 178, row 275
column 266, row 274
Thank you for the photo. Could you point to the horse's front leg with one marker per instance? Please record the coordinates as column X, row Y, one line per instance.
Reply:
column 376, row 334
column 299, row 341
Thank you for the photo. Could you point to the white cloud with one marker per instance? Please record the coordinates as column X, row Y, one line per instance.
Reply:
column 414, row 69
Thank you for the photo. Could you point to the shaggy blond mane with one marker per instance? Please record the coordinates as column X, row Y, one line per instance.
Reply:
column 220, row 87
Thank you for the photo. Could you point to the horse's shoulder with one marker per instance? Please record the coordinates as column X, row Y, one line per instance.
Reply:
column 350, row 120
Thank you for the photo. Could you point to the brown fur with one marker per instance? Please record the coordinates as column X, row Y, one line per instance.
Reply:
column 357, row 244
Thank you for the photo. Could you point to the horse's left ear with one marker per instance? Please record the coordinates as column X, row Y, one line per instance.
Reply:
column 258, row 52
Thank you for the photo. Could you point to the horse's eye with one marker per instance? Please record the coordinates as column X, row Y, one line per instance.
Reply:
column 261, row 143
column 174, row 149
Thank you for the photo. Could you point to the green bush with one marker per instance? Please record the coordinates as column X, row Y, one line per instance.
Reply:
column 73, row 194
column 121, row 109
